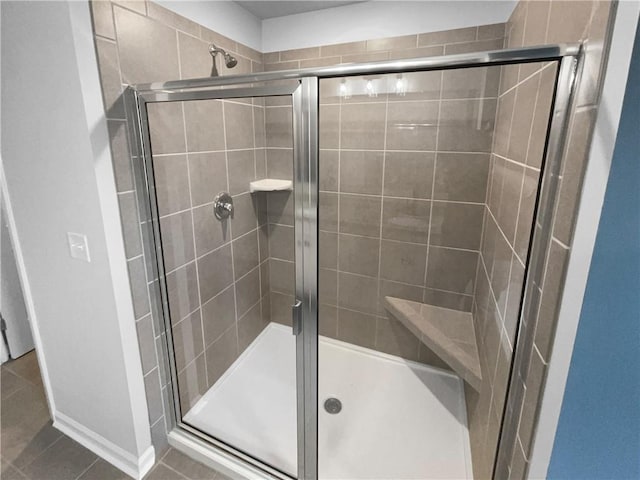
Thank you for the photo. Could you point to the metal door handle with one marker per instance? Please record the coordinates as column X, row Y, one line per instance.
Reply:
column 296, row 317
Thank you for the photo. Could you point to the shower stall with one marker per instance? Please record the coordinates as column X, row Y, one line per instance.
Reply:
column 343, row 256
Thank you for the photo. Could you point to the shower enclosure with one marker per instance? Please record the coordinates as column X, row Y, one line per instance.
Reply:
column 343, row 255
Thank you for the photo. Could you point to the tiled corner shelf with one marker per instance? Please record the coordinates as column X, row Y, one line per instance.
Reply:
column 449, row 333
column 270, row 185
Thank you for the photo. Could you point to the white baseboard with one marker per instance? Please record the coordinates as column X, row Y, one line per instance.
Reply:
column 136, row 467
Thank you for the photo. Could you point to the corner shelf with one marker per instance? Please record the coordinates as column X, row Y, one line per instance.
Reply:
column 449, row 333
column 270, row 185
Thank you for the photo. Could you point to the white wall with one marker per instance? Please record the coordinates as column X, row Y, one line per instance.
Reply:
column 59, row 178
column 349, row 23
column 225, row 17
column 378, row 19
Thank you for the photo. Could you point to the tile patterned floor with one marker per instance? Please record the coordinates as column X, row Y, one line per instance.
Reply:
column 31, row 449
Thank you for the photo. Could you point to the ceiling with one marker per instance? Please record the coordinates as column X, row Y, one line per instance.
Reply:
column 271, row 9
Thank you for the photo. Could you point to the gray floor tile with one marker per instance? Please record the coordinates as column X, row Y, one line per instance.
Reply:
column 26, row 367
column 9, row 472
column 222, row 476
column 187, row 466
column 162, row 472
column 27, row 399
column 102, row 470
column 10, row 383
column 26, row 429
column 64, row 460
column 33, row 450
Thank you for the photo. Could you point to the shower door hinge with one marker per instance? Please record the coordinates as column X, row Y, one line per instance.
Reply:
column 296, row 317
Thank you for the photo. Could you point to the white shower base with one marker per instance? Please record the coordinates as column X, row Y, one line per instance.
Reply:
column 399, row 419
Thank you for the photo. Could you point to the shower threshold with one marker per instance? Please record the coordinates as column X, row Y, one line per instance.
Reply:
column 398, row 419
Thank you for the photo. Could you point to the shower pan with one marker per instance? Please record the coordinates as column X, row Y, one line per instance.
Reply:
column 340, row 270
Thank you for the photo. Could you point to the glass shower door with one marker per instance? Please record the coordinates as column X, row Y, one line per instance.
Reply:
column 229, row 174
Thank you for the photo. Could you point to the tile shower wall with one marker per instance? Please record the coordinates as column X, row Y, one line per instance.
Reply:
column 139, row 42
column 538, row 22
column 519, row 139
column 403, row 177
column 213, row 267
column 169, row 46
column 513, row 176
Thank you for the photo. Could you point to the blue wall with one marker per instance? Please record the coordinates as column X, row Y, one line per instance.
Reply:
column 598, row 434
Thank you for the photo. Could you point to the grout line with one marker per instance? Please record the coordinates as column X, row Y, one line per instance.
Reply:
column 381, row 279
column 384, row 157
column 193, row 229
column 62, row 435
column 511, row 247
column 185, row 317
column 233, row 271
column 515, row 162
column 533, row 117
column 520, row 82
column 19, row 389
column 566, row 247
column 166, row 274
column 348, row 194
column 535, row 348
column 390, row 150
column 493, row 297
column 187, row 365
column 518, row 441
column 338, row 214
column 233, row 326
column 202, row 152
column 433, row 187
column 135, row 258
column 172, row 469
column 199, row 257
column 105, row 39
column 19, row 470
column 89, row 467
column 376, row 315
column 249, row 309
column 394, row 100
column 258, row 205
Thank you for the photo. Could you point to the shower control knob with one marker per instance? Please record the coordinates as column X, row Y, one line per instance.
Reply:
column 223, row 205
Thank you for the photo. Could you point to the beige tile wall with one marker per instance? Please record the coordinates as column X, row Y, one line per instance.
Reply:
column 403, row 180
column 213, row 317
column 463, row 40
column 521, row 127
column 217, row 303
column 537, row 22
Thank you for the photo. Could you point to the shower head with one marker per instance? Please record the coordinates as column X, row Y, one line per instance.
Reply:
column 229, row 60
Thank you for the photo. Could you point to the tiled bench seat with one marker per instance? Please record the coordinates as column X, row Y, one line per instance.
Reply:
column 449, row 333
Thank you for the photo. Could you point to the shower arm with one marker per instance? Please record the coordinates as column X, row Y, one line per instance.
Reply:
column 213, row 50
column 229, row 60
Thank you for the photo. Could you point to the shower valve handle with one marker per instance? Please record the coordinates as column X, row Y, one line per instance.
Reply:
column 223, row 205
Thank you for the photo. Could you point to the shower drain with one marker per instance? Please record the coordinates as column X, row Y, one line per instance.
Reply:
column 332, row 405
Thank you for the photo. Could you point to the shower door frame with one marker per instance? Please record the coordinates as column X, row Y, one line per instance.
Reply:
column 304, row 99
column 305, row 131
